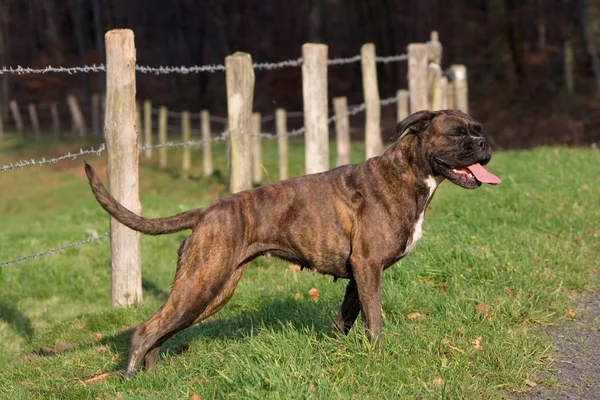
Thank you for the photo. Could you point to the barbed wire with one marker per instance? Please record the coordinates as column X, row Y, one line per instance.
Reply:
column 222, row 136
column 352, row 110
column 193, row 69
column 91, row 239
column 43, row 161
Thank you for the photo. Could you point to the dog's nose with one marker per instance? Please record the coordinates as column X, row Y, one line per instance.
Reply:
column 481, row 143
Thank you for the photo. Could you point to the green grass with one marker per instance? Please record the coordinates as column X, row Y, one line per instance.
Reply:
column 497, row 263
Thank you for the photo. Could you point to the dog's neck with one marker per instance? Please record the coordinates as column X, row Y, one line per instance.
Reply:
column 406, row 156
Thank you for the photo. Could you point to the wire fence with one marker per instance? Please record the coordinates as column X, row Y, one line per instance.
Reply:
column 210, row 68
column 352, row 110
column 91, row 239
column 194, row 69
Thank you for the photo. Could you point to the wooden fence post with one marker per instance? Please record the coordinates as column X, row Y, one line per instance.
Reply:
column 402, row 110
column 240, row 91
column 122, row 149
column 434, row 75
column 185, row 137
column 458, row 75
column 342, row 130
column 282, row 142
column 162, row 137
column 14, row 109
column 314, row 93
column 1, row 126
column 444, row 92
column 96, row 111
column 256, row 150
column 206, row 147
column 373, row 141
column 434, row 49
column 148, row 127
column 77, row 116
column 35, row 123
column 138, row 123
column 55, row 120
column 417, row 76
column 450, row 96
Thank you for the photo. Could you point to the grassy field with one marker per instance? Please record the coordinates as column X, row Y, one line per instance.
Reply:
column 463, row 314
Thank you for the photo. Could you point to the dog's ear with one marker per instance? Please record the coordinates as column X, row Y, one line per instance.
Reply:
column 414, row 123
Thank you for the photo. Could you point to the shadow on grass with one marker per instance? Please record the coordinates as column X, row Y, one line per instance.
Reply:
column 16, row 319
column 273, row 315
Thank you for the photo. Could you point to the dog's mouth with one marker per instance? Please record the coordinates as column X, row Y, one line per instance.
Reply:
column 469, row 176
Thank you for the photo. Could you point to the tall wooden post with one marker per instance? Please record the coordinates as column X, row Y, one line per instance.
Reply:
column 77, row 116
column 96, row 112
column 458, row 74
column 148, row 126
column 256, row 150
column 240, row 91
column 342, row 130
column 444, row 92
column 282, row 142
column 35, row 123
column 402, row 110
column 434, row 75
column 14, row 109
column 186, row 160
column 314, row 93
column 1, row 126
column 417, row 76
column 207, row 167
column 162, row 137
column 121, row 141
column 373, row 141
column 55, row 120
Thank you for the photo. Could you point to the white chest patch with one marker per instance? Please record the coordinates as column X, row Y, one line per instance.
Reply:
column 418, row 229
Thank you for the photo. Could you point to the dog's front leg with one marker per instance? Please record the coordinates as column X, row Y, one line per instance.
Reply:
column 367, row 275
column 348, row 311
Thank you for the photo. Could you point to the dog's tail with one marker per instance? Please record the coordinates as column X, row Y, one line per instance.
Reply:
column 155, row 226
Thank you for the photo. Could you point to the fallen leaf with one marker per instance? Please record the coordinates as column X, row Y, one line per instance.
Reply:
column 571, row 314
column 313, row 389
column 98, row 378
column 99, row 336
column 114, row 357
column 483, row 309
column 426, row 281
column 314, row 294
column 477, row 342
column 294, row 267
column 530, row 383
column 414, row 315
column 443, row 288
column 510, row 292
column 298, row 295
column 585, row 186
column 436, row 383
column 195, row 397
column 279, row 287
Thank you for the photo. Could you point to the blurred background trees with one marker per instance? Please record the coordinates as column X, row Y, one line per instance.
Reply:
column 534, row 69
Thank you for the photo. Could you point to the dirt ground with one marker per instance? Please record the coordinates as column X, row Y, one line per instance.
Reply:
column 576, row 369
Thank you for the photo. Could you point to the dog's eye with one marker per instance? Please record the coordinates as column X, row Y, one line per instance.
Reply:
column 462, row 131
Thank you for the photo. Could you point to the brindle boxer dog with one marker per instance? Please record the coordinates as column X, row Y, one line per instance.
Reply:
column 351, row 222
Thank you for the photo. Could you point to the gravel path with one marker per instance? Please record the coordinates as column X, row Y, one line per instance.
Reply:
column 577, row 364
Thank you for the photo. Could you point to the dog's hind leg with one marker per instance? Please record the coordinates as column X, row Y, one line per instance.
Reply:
column 348, row 311
column 201, row 278
column 215, row 305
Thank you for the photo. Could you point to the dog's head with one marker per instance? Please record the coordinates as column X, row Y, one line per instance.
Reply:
column 453, row 145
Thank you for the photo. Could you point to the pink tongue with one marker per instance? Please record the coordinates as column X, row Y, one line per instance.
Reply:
column 483, row 175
